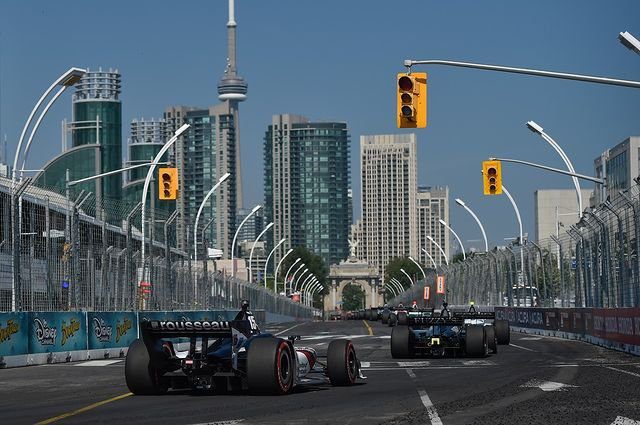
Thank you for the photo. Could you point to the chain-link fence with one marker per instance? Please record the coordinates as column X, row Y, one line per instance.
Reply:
column 70, row 253
column 591, row 264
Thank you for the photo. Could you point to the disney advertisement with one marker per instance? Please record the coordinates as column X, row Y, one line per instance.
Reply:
column 51, row 332
column 111, row 329
column 14, row 334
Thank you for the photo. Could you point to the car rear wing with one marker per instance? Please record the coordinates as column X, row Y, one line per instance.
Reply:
column 486, row 315
column 434, row 320
column 187, row 328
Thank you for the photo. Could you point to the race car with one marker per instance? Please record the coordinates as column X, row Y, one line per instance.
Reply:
column 231, row 355
column 438, row 334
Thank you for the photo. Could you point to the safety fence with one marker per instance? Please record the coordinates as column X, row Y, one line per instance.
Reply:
column 615, row 328
column 73, row 253
column 28, row 338
column 593, row 263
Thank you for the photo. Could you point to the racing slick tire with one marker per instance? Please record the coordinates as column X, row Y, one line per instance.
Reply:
column 400, row 343
column 476, row 341
column 503, row 331
column 492, row 341
column 270, row 366
column 385, row 317
column 403, row 318
column 393, row 319
column 342, row 363
column 141, row 376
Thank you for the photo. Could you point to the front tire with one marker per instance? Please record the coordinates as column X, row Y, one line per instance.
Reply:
column 503, row 331
column 393, row 319
column 342, row 363
column 270, row 366
column 403, row 318
column 492, row 341
column 141, row 376
column 401, row 343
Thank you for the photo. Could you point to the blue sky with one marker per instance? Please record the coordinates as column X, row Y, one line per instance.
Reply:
column 337, row 60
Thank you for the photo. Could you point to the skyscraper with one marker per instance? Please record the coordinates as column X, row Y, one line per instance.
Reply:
column 307, row 185
column 433, row 206
column 389, row 190
column 620, row 165
column 147, row 138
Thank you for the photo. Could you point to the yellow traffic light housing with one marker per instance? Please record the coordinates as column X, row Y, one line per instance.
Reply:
column 412, row 100
column 168, row 184
column 492, row 177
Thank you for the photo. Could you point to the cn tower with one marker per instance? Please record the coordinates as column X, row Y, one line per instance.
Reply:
column 233, row 89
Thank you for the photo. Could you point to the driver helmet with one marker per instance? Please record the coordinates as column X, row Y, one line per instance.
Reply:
column 244, row 304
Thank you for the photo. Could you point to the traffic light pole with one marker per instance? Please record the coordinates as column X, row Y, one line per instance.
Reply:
column 539, row 73
column 555, row 170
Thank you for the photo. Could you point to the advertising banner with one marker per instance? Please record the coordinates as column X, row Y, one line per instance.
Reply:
column 14, row 334
column 111, row 329
column 51, row 332
column 617, row 324
column 187, row 315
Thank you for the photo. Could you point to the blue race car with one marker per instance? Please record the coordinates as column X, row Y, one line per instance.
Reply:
column 230, row 355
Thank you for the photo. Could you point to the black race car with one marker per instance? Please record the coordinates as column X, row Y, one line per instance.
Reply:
column 230, row 355
column 438, row 334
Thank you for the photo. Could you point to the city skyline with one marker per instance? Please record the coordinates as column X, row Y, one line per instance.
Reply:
column 473, row 114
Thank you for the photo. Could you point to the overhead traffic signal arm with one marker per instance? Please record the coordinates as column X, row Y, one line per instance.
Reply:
column 168, row 184
column 492, row 177
column 411, row 100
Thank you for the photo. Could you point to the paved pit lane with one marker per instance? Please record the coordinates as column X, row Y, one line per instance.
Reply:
column 535, row 380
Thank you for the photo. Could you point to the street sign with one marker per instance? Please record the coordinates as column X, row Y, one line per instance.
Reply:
column 440, row 284
column 54, row 233
column 427, row 293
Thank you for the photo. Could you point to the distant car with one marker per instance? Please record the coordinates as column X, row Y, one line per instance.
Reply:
column 445, row 333
column 335, row 315
column 236, row 355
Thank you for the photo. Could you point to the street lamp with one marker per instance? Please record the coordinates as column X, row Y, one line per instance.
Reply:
column 275, row 275
column 398, row 285
column 475, row 217
column 235, row 236
column 306, row 279
column 293, row 278
column 444, row 223
column 295, row 284
column 629, row 41
column 517, row 211
column 539, row 130
column 266, row 263
column 435, row 266
column 204, row 201
column 269, row 226
column 433, row 241
column 420, row 267
column 408, row 277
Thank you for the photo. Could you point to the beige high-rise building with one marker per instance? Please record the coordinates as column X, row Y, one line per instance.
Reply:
column 433, row 205
column 389, row 193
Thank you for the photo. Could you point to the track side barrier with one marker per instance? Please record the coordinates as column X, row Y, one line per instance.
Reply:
column 613, row 328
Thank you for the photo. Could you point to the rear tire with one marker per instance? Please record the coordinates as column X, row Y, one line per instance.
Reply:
column 393, row 319
column 403, row 318
column 342, row 363
column 385, row 317
column 401, row 343
column 492, row 341
column 476, row 341
column 503, row 331
column 141, row 376
column 270, row 366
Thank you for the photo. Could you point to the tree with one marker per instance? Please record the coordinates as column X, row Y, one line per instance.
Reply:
column 313, row 262
column 352, row 297
column 393, row 270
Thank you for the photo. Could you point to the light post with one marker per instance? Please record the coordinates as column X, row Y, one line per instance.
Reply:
column 392, row 289
column 306, row 279
column 517, row 211
column 435, row 267
column 266, row 263
column 433, row 241
column 444, row 223
column 275, row 275
column 204, row 201
column 269, row 226
column 235, row 236
column 475, row 217
column 420, row 267
column 398, row 284
column 539, row 130
column 295, row 284
column 145, row 189
column 408, row 277
column 312, row 291
column 629, row 41
column 293, row 277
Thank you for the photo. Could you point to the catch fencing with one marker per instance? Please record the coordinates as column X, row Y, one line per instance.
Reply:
column 71, row 253
column 591, row 264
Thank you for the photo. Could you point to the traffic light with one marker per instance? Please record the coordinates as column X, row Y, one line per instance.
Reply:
column 412, row 100
column 168, row 184
column 492, row 177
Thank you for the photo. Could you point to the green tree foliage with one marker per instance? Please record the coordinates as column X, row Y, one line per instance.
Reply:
column 393, row 270
column 352, row 297
column 313, row 262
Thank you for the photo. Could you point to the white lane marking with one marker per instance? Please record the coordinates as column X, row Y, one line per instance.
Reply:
column 286, row 330
column 478, row 363
column 229, row 422
column 428, row 368
column 98, row 362
column 411, row 374
column 365, row 364
column 414, row 364
column 426, row 401
column 522, row 348
column 547, row 385
column 623, row 371
column 530, row 338
column 564, row 365
column 621, row 420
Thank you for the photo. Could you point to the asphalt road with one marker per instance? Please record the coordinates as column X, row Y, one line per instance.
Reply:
column 535, row 380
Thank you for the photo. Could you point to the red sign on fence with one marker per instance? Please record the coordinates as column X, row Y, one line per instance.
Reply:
column 440, row 285
column 427, row 293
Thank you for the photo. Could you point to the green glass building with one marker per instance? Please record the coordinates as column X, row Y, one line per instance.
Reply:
column 307, row 185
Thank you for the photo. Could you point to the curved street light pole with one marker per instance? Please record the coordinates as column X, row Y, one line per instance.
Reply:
column 531, row 125
column 269, row 226
column 204, row 201
column 286, row 275
column 235, row 237
column 475, row 217
column 408, row 277
column 293, row 276
column 306, row 279
column 517, row 211
column 398, row 285
column 444, row 223
column 433, row 241
column 275, row 275
column 435, row 266
column 266, row 263
column 420, row 267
